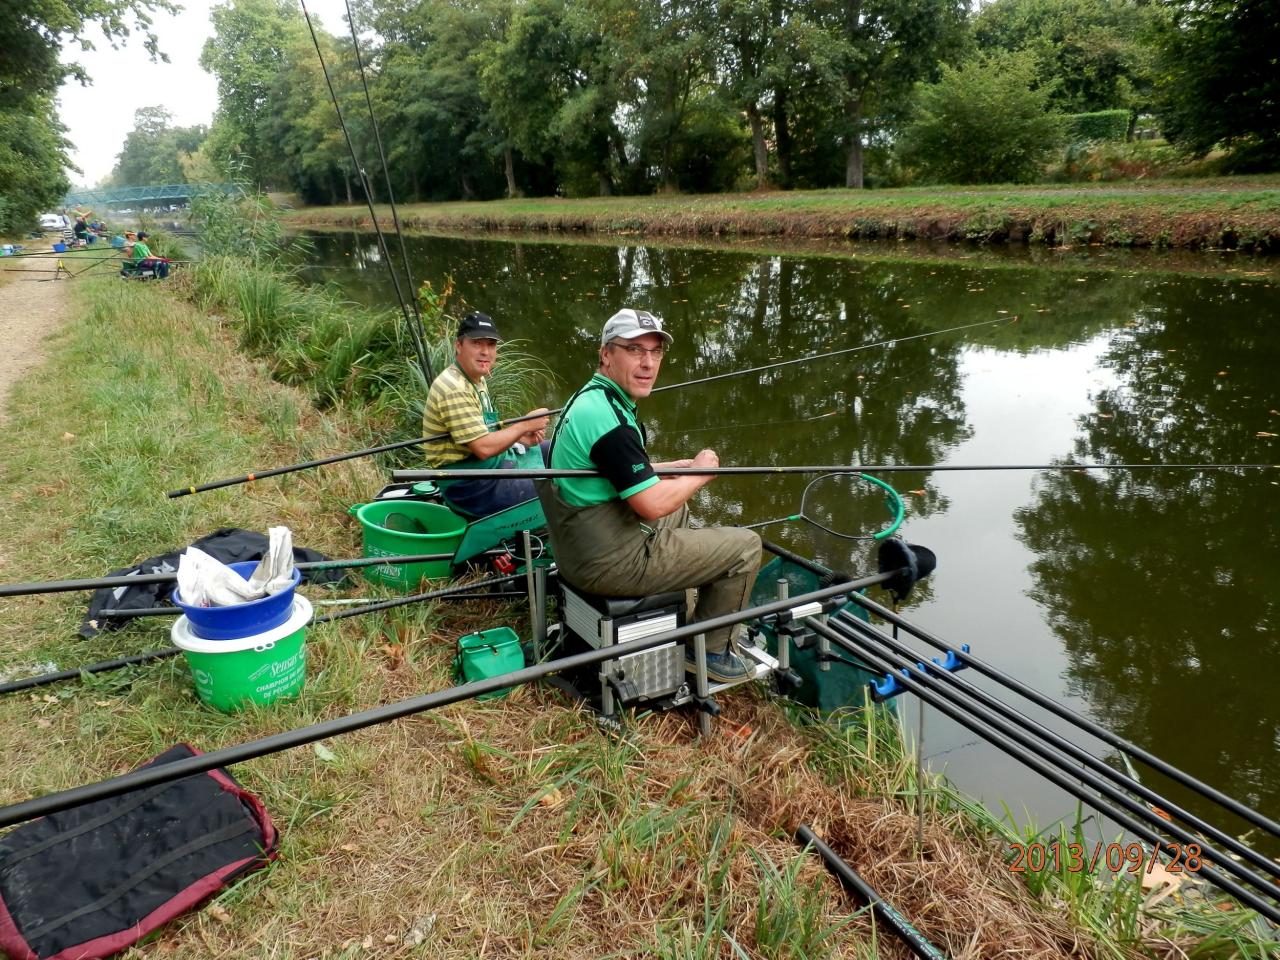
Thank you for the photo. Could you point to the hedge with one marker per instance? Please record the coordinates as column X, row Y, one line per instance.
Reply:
column 1102, row 125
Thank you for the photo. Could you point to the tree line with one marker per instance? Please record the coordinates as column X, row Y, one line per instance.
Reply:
column 486, row 98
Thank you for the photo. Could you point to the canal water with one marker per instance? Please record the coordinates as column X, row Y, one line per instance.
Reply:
column 1145, row 599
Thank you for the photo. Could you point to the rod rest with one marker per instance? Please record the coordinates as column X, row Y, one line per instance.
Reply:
column 889, row 687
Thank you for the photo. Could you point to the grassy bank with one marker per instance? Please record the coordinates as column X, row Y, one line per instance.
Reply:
column 506, row 829
column 1230, row 213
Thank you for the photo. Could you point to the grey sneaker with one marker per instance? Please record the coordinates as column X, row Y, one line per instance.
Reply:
column 725, row 667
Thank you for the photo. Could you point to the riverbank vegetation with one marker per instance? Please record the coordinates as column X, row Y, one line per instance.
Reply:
column 1241, row 213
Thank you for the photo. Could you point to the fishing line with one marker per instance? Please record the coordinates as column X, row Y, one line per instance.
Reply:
column 836, row 353
column 419, row 346
column 400, row 445
column 391, row 196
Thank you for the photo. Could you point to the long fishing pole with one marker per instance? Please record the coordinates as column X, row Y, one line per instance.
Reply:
column 901, row 927
column 1000, row 709
column 124, row 613
column 98, row 583
column 406, row 476
column 167, row 772
column 400, row 445
column 391, row 195
column 419, row 346
column 104, row 666
column 1084, row 723
column 1139, row 819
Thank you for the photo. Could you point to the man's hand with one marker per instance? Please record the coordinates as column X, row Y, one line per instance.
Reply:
column 535, row 430
column 705, row 458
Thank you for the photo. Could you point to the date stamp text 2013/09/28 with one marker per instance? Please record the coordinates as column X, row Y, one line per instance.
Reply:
column 1116, row 857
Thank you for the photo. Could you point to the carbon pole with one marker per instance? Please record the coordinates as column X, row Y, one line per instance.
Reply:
column 849, row 879
column 384, row 448
column 1101, row 732
column 1139, row 819
column 44, row 679
column 419, row 346
column 165, row 773
column 391, row 194
column 997, row 708
column 410, row 476
column 98, row 583
column 126, row 614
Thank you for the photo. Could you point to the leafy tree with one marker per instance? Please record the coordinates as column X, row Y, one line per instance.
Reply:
column 1218, row 80
column 247, row 56
column 153, row 150
column 875, row 51
column 1096, row 50
column 669, row 52
column 522, row 71
column 32, row 158
column 984, row 122
column 33, row 32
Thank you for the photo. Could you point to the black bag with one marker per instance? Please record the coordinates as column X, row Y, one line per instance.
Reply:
column 88, row 882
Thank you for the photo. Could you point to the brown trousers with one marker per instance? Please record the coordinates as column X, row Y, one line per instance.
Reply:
column 607, row 550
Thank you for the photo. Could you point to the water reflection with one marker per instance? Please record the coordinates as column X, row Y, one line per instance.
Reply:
column 1162, row 586
column 1148, row 599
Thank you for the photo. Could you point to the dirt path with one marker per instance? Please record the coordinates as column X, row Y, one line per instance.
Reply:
column 29, row 312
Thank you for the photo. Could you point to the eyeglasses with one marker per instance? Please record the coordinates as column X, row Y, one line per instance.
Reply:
column 637, row 351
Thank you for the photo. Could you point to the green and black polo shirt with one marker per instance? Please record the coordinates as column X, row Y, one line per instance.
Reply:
column 599, row 431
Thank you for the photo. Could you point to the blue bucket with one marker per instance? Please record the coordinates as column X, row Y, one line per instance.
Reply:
column 241, row 619
column 59, row 248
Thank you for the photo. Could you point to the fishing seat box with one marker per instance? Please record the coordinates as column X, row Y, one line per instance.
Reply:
column 598, row 622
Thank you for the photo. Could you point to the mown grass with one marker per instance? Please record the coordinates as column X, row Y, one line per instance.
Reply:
column 1236, row 213
column 510, row 828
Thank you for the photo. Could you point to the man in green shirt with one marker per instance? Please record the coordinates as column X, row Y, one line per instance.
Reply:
column 626, row 532
column 459, row 406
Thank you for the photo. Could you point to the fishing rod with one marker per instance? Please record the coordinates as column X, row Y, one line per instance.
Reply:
column 126, row 614
column 998, row 708
column 105, row 666
column 1084, row 723
column 409, row 476
column 400, row 445
column 98, row 583
column 1139, row 819
column 391, row 195
column 275, row 743
column 900, row 926
column 415, row 334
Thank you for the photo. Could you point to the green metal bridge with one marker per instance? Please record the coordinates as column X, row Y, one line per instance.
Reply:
column 144, row 196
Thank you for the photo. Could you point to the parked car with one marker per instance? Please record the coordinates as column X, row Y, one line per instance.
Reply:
column 52, row 221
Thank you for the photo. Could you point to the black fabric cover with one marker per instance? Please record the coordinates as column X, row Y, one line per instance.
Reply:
column 88, row 882
column 228, row 545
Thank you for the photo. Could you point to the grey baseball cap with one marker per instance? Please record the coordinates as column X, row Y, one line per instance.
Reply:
column 627, row 324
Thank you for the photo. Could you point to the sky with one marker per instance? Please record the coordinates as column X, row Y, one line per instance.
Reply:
column 98, row 117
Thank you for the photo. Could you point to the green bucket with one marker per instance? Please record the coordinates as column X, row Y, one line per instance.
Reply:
column 443, row 527
column 232, row 674
column 489, row 653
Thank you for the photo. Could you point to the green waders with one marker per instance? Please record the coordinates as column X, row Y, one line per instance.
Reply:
column 607, row 550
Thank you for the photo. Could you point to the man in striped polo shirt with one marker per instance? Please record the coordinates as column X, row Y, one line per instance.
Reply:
column 626, row 532
column 459, row 406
